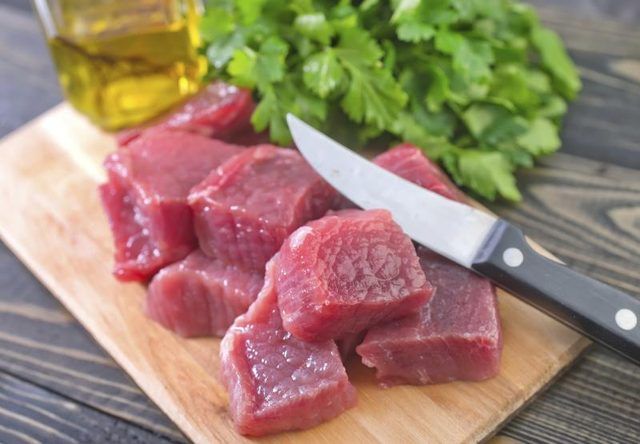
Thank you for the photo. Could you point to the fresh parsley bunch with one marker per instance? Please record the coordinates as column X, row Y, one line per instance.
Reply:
column 479, row 85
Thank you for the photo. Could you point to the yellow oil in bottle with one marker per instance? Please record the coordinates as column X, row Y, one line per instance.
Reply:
column 123, row 62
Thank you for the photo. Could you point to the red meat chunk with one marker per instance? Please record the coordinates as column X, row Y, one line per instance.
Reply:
column 275, row 381
column 246, row 208
column 408, row 162
column 219, row 110
column 456, row 336
column 200, row 296
column 145, row 198
column 346, row 272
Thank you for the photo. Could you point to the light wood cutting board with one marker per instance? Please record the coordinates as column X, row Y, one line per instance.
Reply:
column 51, row 218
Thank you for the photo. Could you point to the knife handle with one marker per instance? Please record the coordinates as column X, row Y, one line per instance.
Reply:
column 601, row 312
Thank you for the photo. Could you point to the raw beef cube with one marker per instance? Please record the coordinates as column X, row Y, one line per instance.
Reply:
column 346, row 272
column 219, row 110
column 246, row 208
column 408, row 162
column 457, row 335
column 275, row 381
column 145, row 198
column 201, row 296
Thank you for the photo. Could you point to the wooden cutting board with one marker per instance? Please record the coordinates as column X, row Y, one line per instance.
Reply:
column 51, row 218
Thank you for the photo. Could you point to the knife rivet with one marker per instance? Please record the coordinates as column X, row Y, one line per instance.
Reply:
column 626, row 319
column 513, row 257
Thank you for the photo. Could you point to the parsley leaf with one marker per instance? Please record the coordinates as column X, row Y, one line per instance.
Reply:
column 250, row 68
column 488, row 174
column 323, row 73
column 314, row 26
column 479, row 85
column 541, row 137
column 557, row 61
column 373, row 95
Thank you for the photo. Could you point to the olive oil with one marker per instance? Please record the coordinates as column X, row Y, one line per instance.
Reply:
column 122, row 62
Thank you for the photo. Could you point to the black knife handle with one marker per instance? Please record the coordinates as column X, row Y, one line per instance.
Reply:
column 599, row 311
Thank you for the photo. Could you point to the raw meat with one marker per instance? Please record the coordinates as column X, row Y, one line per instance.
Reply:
column 246, row 208
column 275, row 381
column 347, row 345
column 145, row 198
column 201, row 296
column 408, row 162
column 219, row 110
column 346, row 272
column 456, row 336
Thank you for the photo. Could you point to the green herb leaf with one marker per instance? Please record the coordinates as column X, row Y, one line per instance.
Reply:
column 373, row 97
column 249, row 11
column 513, row 84
column 541, row 138
column 268, row 114
column 323, row 74
column 216, row 23
column 553, row 107
column 449, row 42
column 557, row 61
column 479, row 85
column 314, row 26
column 250, row 68
column 473, row 59
column 415, row 32
column 242, row 67
column 221, row 50
column 359, row 47
column 493, row 124
column 438, row 90
column 488, row 173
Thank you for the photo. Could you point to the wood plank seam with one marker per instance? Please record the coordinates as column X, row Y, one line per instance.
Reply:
column 168, row 434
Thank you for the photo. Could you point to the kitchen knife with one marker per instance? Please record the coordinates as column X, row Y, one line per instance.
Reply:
column 476, row 240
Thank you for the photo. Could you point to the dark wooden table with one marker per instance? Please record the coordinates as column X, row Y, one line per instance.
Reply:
column 58, row 386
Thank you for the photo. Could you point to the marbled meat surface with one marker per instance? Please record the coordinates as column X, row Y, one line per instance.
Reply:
column 145, row 198
column 275, row 381
column 247, row 207
column 456, row 336
column 346, row 272
column 201, row 296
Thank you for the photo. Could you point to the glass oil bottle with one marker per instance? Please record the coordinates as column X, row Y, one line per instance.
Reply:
column 121, row 62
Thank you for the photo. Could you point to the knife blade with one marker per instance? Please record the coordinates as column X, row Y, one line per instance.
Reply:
column 367, row 185
column 478, row 241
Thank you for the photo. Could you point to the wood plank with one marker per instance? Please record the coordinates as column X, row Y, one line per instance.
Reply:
column 41, row 342
column 55, row 161
column 588, row 214
column 28, row 84
column 597, row 402
column 607, row 53
column 32, row 415
column 28, row 312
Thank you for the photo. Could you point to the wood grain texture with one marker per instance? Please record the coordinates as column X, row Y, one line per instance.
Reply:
column 602, row 123
column 31, row 415
column 41, row 342
column 66, row 243
column 588, row 213
column 28, row 84
column 596, row 403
